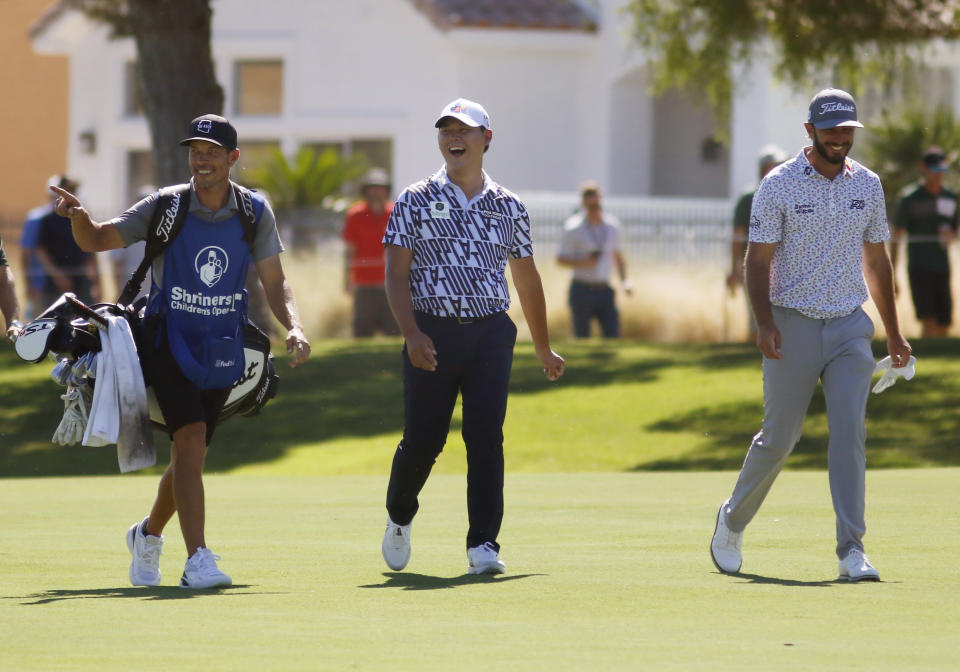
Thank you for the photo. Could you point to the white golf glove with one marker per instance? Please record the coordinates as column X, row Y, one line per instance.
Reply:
column 76, row 401
column 890, row 374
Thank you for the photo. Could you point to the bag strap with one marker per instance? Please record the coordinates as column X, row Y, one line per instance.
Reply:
column 247, row 213
column 169, row 217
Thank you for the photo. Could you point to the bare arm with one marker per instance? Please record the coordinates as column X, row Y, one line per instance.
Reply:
column 8, row 302
column 737, row 251
column 90, row 235
column 899, row 235
column 757, row 271
column 420, row 348
column 621, row 264
column 569, row 256
column 280, row 297
column 878, row 272
column 526, row 280
column 348, row 254
column 571, row 261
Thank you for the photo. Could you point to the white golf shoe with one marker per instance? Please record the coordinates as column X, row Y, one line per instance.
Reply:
column 145, row 550
column 484, row 559
column 396, row 545
column 201, row 571
column 856, row 567
column 725, row 547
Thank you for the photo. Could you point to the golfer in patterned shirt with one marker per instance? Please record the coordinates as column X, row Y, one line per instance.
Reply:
column 447, row 246
column 817, row 225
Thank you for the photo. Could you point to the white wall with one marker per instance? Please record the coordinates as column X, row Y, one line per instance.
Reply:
column 566, row 107
column 764, row 113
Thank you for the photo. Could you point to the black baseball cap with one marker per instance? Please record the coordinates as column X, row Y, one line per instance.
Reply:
column 935, row 160
column 212, row 128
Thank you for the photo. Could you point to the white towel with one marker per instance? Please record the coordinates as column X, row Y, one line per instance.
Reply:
column 119, row 412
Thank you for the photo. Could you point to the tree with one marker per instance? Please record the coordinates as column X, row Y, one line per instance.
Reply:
column 304, row 188
column 897, row 140
column 695, row 42
column 174, row 64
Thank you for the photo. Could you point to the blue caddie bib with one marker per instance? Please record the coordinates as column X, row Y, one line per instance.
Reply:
column 203, row 302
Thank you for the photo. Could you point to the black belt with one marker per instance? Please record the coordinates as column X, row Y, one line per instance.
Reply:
column 587, row 283
column 456, row 319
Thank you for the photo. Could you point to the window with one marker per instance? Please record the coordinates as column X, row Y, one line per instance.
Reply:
column 133, row 99
column 258, row 88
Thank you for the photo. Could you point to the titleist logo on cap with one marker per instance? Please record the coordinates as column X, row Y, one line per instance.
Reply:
column 836, row 107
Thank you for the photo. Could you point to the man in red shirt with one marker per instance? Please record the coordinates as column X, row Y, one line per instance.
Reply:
column 363, row 232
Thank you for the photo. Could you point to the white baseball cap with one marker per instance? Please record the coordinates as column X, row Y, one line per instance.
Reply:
column 467, row 111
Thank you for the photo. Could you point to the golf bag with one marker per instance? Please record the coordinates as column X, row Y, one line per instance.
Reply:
column 69, row 330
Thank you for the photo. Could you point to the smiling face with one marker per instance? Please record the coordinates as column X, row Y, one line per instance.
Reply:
column 210, row 164
column 832, row 144
column 462, row 146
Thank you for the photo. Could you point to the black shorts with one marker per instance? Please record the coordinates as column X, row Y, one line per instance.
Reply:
column 181, row 402
column 931, row 296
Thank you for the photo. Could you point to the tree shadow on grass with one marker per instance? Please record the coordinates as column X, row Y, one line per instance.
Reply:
column 354, row 389
column 915, row 423
column 411, row 581
column 138, row 593
column 349, row 390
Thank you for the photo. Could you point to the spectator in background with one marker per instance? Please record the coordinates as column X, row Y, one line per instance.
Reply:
column 929, row 215
column 591, row 247
column 364, row 263
column 34, row 272
column 68, row 268
column 771, row 156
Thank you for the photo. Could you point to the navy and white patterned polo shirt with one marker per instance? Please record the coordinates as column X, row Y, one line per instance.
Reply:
column 460, row 248
column 821, row 226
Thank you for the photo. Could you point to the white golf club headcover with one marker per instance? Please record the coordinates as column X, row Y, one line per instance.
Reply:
column 890, row 374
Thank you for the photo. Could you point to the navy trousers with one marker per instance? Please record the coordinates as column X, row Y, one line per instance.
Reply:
column 588, row 300
column 473, row 361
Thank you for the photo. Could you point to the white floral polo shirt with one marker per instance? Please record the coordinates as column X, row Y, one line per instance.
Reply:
column 821, row 226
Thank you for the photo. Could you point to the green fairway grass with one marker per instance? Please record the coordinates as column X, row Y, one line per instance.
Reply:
column 621, row 406
column 604, row 572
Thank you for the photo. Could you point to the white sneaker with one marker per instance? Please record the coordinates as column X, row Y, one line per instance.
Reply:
column 201, row 571
column 484, row 559
column 396, row 545
column 725, row 547
column 856, row 567
column 146, row 550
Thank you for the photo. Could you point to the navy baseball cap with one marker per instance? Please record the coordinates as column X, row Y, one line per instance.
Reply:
column 212, row 128
column 831, row 108
column 935, row 160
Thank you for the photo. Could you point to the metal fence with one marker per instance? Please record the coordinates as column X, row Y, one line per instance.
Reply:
column 665, row 230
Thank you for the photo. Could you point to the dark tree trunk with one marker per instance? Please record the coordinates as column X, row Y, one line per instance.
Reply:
column 176, row 70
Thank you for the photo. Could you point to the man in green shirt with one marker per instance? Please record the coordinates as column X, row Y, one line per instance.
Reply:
column 928, row 215
column 771, row 156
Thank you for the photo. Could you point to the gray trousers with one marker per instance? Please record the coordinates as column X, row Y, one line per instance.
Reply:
column 837, row 352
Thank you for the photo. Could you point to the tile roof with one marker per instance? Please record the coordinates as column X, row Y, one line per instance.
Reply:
column 571, row 15
column 49, row 15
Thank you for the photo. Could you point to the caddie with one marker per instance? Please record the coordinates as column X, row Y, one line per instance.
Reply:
column 193, row 345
